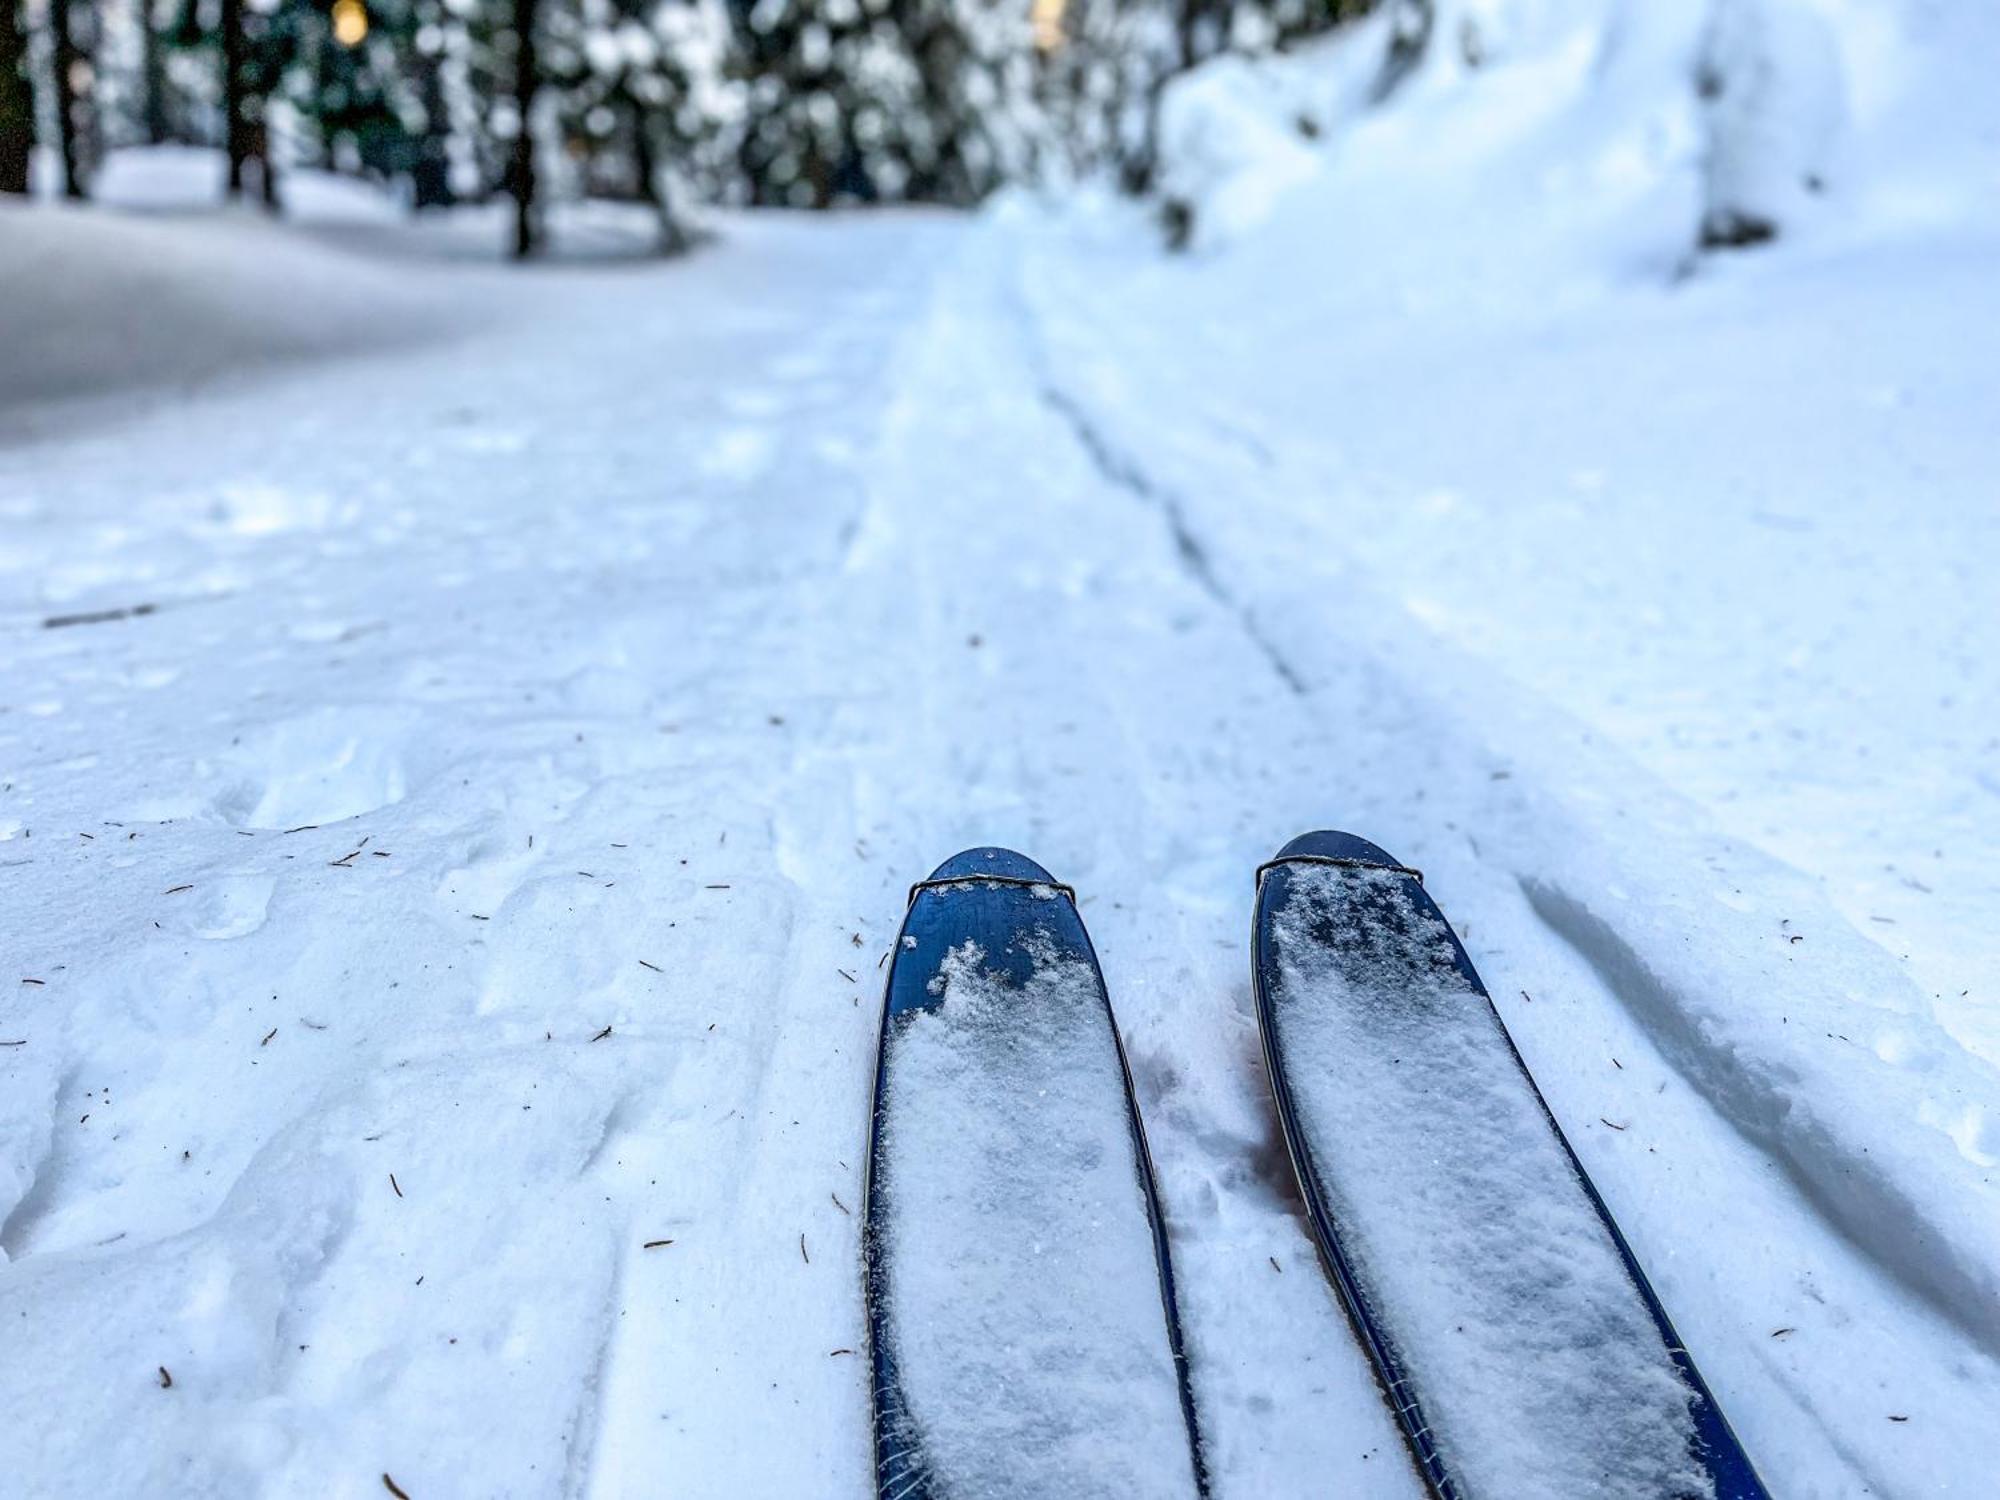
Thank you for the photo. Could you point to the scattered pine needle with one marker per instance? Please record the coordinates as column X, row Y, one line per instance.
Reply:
column 802, row 1250
column 395, row 1184
column 99, row 616
column 655, row 1244
column 602, row 1034
column 175, row 890
column 394, row 1488
column 654, row 967
column 166, row 1380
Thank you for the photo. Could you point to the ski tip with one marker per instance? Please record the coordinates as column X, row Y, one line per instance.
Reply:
column 991, row 860
column 1326, row 843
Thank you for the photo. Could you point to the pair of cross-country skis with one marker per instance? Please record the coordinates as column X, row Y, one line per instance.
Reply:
column 1022, row 1321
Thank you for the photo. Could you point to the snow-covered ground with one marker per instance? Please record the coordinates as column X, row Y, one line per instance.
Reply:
column 441, row 913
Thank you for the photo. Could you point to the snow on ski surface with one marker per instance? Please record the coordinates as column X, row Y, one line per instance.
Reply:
column 428, row 928
column 1034, row 1360
column 1533, row 1356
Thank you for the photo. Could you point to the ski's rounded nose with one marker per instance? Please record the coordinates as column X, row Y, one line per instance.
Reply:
column 1326, row 843
column 990, row 859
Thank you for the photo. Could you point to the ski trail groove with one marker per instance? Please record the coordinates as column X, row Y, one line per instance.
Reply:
column 1193, row 556
column 1853, row 1196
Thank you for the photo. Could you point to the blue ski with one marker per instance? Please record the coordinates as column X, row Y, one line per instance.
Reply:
column 1518, row 1342
column 1022, row 1325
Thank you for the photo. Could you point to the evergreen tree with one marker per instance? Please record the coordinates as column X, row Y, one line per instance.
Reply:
column 642, row 101
column 864, row 100
column 1101, row 83
column 976, row 71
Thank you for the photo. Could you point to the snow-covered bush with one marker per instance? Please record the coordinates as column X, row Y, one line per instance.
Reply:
column 1239, row 134
column 1773, row 102
column 1733, row 109
column 1229, row 149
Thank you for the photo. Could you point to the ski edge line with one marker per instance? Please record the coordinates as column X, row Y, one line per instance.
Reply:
column 1402, row 1404
column 1716, row 1446
column 910, row 1483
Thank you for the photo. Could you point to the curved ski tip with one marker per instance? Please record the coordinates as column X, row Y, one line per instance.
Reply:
column 1329, row 844
column 991, row 860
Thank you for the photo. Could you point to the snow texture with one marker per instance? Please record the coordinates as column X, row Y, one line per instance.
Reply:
column 1640, row 597
column 1500, row 1293
column 1024, row 1304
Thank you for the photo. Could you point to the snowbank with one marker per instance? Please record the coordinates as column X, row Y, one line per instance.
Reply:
column 102, row 300
column 1527, row 125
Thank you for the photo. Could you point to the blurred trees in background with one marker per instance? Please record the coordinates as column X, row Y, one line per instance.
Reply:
column 666, row 103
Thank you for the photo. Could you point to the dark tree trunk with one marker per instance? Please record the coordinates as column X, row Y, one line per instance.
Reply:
column 430, row 176
column 267, row 175
column 646, row 168
column 235, row 126
column 527, row 79
column 68, row 59
column 153, row 64
column 17, row 102
column 1410, row 27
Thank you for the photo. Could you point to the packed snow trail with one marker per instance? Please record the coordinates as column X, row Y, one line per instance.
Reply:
column 447, row 924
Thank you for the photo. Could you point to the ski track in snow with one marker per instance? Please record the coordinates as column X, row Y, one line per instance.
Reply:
column 446, row 1062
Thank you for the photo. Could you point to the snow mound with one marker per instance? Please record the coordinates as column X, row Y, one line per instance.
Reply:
column 150, row 298
column 1547, row 131
column 1237, row 136
column 1773, row 102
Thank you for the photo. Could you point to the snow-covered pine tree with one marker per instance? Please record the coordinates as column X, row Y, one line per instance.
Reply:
column 642, row 100
column 374, row 89
column 976, row 73
column 1102, row 67
column 831, row 96
column 865, row 100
